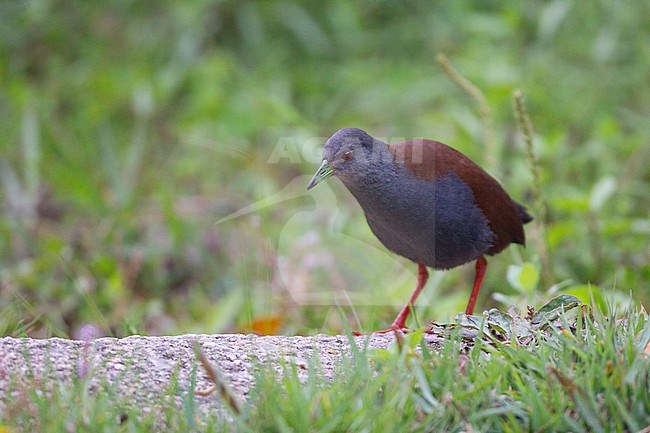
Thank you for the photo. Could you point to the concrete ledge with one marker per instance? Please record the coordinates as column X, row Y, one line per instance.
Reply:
column 140, row 369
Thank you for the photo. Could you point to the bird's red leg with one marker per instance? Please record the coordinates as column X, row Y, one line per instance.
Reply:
column 481, row 267
column 400, row 320
column 399, row 324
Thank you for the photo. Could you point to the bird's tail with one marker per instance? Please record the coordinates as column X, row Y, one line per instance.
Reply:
column 523, row 213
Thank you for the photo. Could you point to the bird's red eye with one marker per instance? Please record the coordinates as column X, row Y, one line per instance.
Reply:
column 347, row 156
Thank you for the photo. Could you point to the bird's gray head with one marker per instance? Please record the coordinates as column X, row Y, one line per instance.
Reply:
column 348, row 154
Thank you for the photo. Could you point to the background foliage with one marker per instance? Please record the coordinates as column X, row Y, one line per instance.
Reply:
column 130, row 129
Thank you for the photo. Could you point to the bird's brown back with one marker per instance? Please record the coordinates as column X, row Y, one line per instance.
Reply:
column 429, row 160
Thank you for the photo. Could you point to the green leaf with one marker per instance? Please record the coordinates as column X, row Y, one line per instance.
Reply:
column 601, row 192
column 524, row 277
column 500, row 322
column 469, row 321
column 553, row 308
column 587, row 294
column 413, row 338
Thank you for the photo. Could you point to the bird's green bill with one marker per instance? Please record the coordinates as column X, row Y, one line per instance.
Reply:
column 324, row 171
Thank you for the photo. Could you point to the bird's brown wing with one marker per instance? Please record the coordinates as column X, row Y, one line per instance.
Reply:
column 428, row 159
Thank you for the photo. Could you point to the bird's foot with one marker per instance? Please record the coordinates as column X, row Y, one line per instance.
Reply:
column 393, row 329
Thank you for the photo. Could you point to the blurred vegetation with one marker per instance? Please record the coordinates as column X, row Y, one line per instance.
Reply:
column 131, row 128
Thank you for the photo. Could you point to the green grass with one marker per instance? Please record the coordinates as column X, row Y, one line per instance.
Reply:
column 586, row 374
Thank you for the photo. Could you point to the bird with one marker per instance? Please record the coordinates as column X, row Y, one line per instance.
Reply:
column 425, row 201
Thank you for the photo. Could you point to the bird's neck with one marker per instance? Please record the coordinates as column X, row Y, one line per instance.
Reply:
column 375, row 186
column 381, row 182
